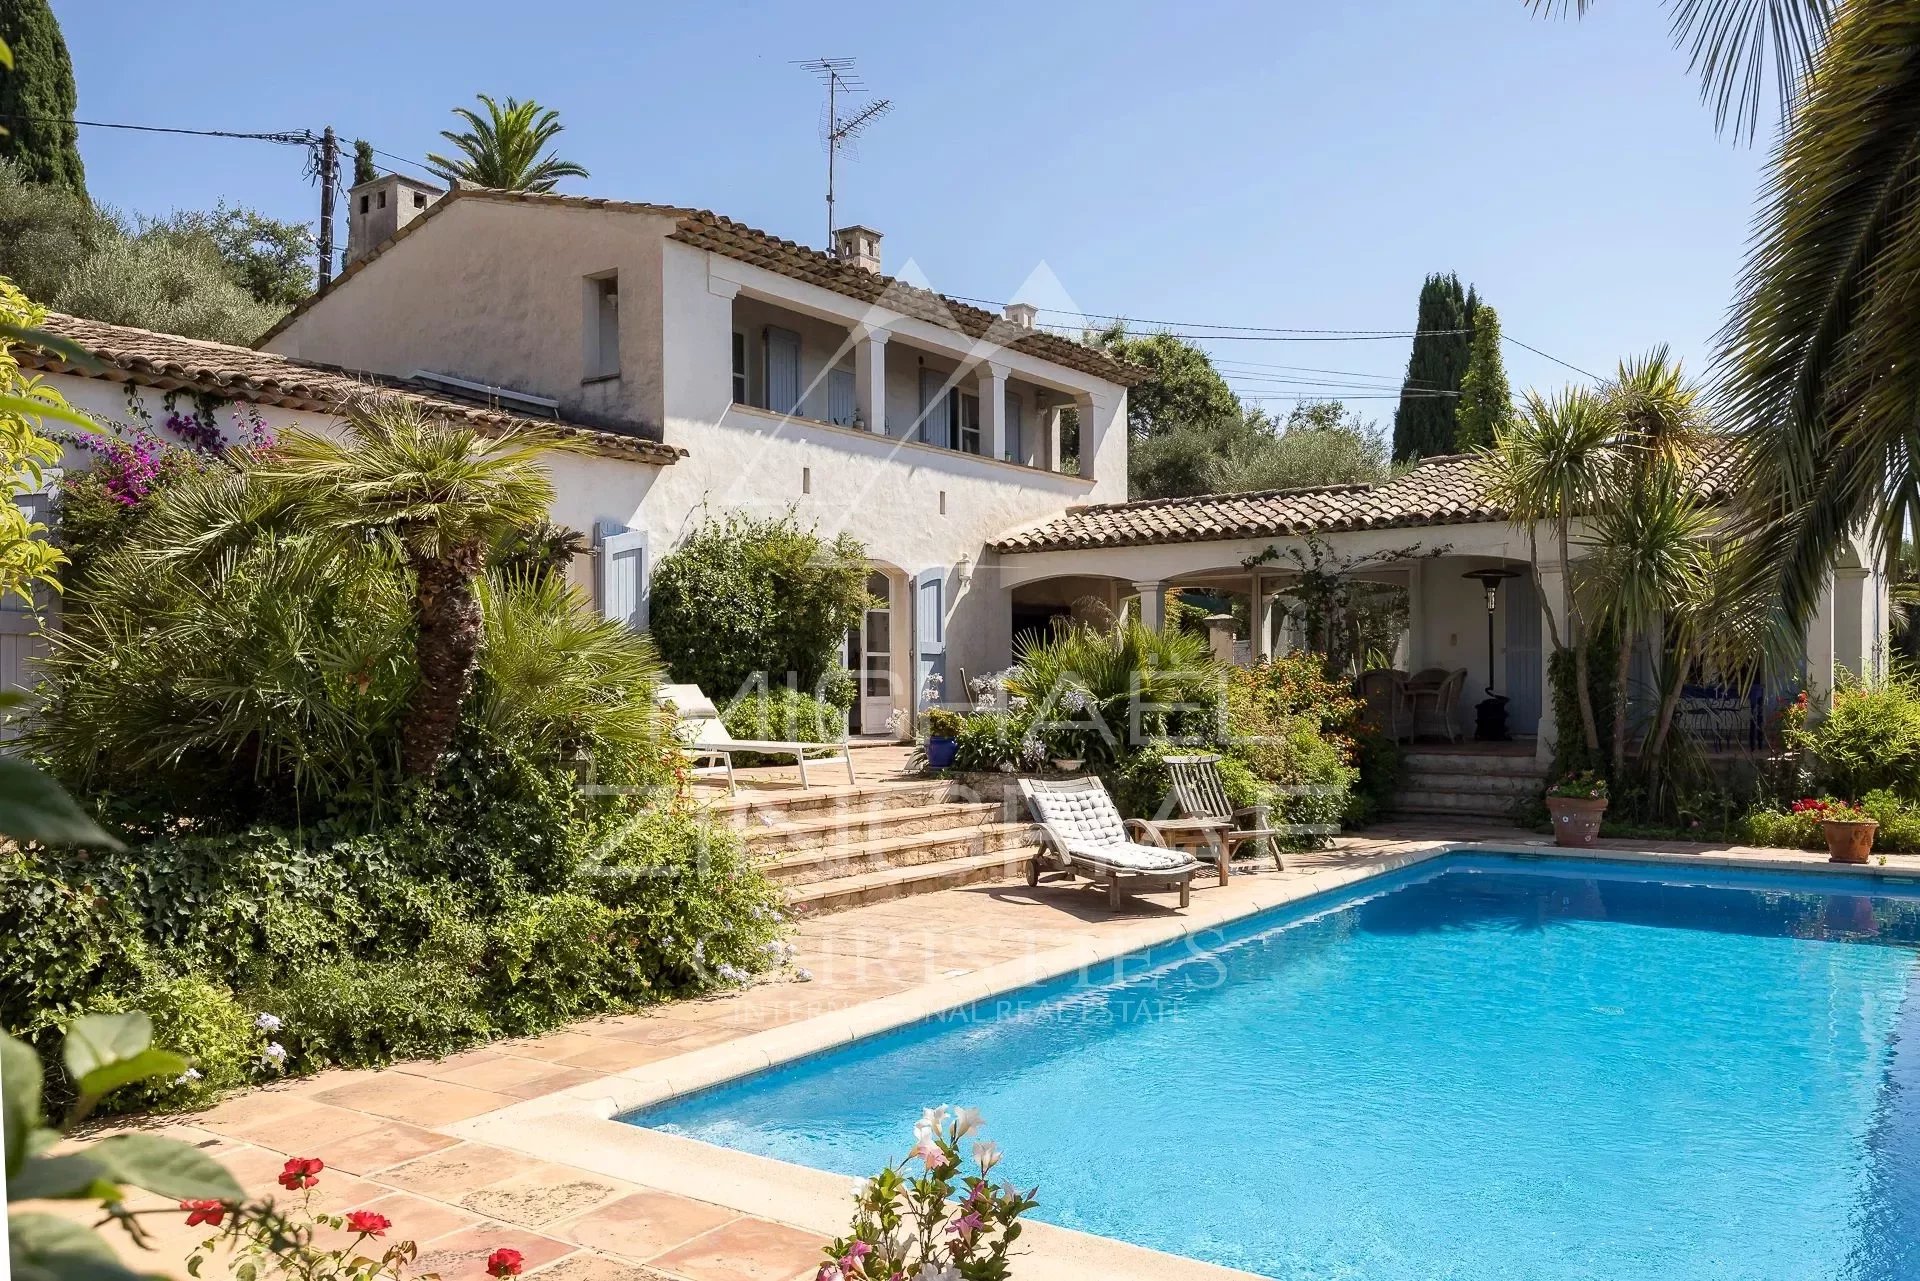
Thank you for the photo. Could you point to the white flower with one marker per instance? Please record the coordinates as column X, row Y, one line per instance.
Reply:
column 276, row 1053
column 966, row 1121
column 931, row 1121
column 187, row 1077
column 986, row 1153
column 803, row 976
column 729, row 974
column 268, row 1022
column 931, row 1272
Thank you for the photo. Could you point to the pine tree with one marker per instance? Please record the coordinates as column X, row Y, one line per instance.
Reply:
column 1424, row 425
column 1486, row 401
column 364, row 170
column 37, row 98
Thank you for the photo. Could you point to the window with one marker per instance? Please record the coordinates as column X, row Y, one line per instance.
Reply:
column 783, row 369
column 383, row 199
column 364, row 199
column 1014, row 408
column 419, row 200
column 840, row 397
column 602, row 336
column 967, row 423
column 740, row 369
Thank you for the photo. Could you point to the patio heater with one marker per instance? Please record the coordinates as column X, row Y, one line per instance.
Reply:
column 1490, row 713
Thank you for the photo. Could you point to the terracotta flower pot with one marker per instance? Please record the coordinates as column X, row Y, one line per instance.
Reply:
column 1849, row 840
column 1576, row 819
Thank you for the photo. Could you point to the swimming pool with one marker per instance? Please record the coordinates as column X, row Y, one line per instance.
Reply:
column 1481, row 1067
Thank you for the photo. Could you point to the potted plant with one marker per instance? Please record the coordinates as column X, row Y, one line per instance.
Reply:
column 1576, row 804
column 943, row 736
column 1848, row 828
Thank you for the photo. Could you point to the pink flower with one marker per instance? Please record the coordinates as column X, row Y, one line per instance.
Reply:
column 965, row 1226
column 930, row 1152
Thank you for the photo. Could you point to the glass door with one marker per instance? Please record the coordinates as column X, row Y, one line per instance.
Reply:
column 876, row 657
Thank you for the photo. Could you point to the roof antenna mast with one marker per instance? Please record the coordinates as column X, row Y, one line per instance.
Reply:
column 838, row 76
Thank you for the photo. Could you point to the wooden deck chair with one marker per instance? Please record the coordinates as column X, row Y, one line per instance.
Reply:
column 1199, row 792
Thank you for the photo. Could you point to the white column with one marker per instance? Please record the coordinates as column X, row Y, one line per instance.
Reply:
column 1050, row 439
column 993, row 409
column 1259, row 621
column 1553, row 622
column 1416, row 614
column 1820, row 645
column 870, row 378
column 1102, row 447
column 1153, row 604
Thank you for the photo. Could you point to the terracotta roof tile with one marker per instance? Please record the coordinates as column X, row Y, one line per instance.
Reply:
column 704, row 229
column 1441, row 491
column 240, row 373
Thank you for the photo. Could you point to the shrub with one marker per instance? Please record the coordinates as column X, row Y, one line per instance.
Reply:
column 746, row 596
column 1103, row 692
column 66, row 942
column 782, row 713
column 998, row 741
column 1798, row 826
column 204, row 1023
column 1868, row 740
column 549, row 961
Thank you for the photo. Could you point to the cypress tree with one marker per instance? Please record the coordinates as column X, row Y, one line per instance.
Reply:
column 1486, row 401
column 1424, row 425
column 364, row 170
column 37, row 98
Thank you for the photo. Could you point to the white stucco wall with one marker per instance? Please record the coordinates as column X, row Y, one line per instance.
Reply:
column 493, row 292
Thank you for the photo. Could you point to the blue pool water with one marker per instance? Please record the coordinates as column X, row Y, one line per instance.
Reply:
column 1482, row 1068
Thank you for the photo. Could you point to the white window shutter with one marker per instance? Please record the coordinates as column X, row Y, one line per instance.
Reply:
column 623, row 567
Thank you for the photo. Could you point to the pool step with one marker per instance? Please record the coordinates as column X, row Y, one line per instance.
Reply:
column 801, row 868
column 854, row 826
column 901, row 882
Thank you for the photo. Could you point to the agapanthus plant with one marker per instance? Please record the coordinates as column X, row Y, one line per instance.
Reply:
column 927, row 1218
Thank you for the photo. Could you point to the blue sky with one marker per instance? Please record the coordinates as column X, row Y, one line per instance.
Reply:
column 1279, row 164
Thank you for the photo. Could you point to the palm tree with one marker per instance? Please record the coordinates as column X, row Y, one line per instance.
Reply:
column 439, row 496
column 1540, row 470
column 1819, row 369
column 503, row 149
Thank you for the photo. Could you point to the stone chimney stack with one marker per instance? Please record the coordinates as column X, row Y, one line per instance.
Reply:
column 377, row 209
column 1023, row 314
column 858, row 246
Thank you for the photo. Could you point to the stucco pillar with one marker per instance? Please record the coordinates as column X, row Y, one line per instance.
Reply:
column 1553, row 621
column 1259, row 621
column 1820, row 644
column 1102, row 448
column 870, row 379
column 993, row 409
column 1153, row 604
column 1416, row 615
column 1050, row 439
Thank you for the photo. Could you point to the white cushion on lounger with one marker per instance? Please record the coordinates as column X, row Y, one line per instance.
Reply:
column 1129, row 857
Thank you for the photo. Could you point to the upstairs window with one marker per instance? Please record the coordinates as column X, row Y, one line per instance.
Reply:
column 740, row 369
column 602, row 337
column 967, row 423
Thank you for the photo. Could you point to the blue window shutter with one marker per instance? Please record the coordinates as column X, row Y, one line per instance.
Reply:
column 623, row 575
column 1522, row 603
column 840, row 397
column 934, row 420
column 1014, row 429
column 929, row 634
column 783, row 370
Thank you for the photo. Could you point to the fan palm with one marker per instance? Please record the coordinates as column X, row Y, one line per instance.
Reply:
column 439, row 496
column 502, row 149
column 1820, row 359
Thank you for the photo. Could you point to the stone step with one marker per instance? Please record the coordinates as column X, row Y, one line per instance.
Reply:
column 809, row 867
column 770, row 806
column 850, row 827
column 902, row 882
column 1481, row 804
column 1473, row 763
column 1476, row 784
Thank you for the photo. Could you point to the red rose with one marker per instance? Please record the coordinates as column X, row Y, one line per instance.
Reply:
column 504, row 1263
column 207, row 1212
column 368, row 1222
column 301, row 1172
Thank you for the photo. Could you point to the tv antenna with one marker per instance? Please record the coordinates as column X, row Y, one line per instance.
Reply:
column 838, row 76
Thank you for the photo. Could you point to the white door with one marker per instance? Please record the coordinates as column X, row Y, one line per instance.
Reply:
column 876, row 657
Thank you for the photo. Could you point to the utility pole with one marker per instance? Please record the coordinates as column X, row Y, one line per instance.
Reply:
column 836, row 74
column 329, row 170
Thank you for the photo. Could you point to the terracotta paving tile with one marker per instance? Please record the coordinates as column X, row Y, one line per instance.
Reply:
column 745, row 1250
column 611, row 1055
column 652, row 1030
column 453, row 1173
column 380, row 1147
column 698, row 1036
column 417, row 1219
column 554, row 1081
column 501, row 1073
column 585, row 1265
column 462, row 1255
column 293, row 1129
column 416, row 1099
column 541, row 1194
column 646, row 1224
column 336, row 1192
column 552, row 1047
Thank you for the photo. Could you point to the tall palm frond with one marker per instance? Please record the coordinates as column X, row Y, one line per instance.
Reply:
column 502, row 150
column 1737, row 47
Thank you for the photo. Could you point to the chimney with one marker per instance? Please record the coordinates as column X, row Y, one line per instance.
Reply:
column 377, row 209
column 1023, row 314
column 858, row 247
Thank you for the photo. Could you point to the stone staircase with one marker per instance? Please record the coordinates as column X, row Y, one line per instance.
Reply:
column 1484, row 784
column 839, row 847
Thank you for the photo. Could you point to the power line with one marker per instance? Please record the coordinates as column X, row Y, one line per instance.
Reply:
column 286, row 137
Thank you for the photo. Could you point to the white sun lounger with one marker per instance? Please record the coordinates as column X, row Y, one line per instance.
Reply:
column 1080, row 830
column 704, row 738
